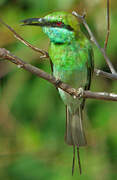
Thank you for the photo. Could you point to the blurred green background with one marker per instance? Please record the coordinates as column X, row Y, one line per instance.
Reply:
column 32, row 115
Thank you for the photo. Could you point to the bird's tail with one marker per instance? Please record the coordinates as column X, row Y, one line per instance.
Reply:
column 75, row 135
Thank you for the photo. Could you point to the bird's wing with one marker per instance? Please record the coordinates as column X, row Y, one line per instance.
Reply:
column 51, row 65
column 90, row 69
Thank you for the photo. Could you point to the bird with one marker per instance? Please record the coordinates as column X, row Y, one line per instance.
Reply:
column 71, row 53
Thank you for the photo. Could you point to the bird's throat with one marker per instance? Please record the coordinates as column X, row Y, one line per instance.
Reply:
column 59, row 35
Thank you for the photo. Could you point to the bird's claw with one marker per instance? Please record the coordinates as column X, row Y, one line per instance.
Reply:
column 58, row 82
column 80, row 92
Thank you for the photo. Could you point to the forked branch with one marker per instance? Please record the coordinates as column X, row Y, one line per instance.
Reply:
column 93, row 39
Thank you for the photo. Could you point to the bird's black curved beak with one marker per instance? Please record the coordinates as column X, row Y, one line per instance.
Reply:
column 33, row 22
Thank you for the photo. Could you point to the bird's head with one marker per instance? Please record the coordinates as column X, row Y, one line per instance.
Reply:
column 61, row 27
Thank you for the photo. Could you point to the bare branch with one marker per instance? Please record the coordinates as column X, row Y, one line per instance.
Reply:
column 17, row 36
column 93, row 39
column 108, row 25
column 4, row 54
column 100, row 95
column 99, row 72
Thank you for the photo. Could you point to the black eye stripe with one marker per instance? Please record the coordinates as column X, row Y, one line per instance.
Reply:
column 62, row 25
column 43, row 22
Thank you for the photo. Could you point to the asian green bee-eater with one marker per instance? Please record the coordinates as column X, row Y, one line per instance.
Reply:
column 72, row 57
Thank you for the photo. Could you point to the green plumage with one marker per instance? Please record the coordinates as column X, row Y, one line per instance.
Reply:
column 72, row 57
column 72, row 65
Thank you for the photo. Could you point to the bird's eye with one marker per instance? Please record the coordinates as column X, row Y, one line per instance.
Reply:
column 59, row 23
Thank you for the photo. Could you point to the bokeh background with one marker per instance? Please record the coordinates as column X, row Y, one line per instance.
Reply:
column 32, row 115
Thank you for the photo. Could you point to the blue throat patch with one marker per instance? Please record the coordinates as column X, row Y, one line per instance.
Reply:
column 59, row 35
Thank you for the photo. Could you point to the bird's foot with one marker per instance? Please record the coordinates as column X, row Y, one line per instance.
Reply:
column 80, row 92
column 58, row 82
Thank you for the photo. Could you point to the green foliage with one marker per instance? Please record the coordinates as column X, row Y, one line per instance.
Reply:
column 32, row 115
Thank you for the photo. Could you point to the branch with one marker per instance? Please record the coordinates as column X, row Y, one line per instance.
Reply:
column 100, row 95
column 17, row 36
column 4, row 54
column 99, row 72
column 108, row 25
column 93, row 39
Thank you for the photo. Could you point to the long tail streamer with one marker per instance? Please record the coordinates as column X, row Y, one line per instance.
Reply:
column 73, row 164
column 78, row 156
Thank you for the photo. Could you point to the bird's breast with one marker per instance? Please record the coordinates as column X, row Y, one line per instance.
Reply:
column 69, row 66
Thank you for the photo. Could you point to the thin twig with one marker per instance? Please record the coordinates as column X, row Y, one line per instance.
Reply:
column 93, row 39
column 108, row 25
column 4, row 54
column 104, row 74
column 17, row 36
